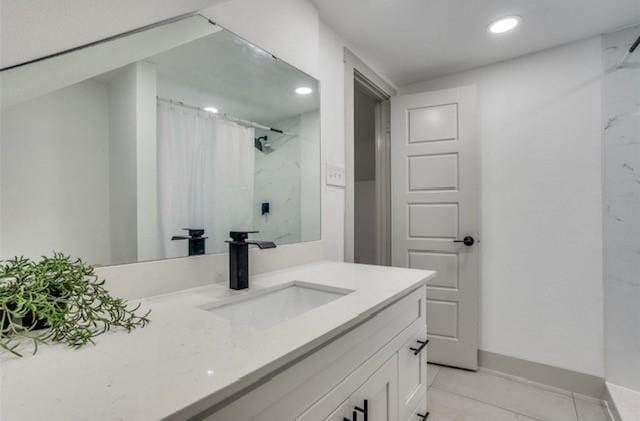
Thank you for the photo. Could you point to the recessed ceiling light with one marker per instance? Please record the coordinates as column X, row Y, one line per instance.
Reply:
column 304, row 90
column 504, row 25
column 213, row 110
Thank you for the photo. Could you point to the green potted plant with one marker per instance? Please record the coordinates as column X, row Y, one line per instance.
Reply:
column 58, row 300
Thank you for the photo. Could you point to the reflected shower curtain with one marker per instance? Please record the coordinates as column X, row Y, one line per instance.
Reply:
column 205, row 177
column 234, row 170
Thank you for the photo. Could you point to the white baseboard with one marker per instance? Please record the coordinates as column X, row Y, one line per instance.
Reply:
column 573, row 381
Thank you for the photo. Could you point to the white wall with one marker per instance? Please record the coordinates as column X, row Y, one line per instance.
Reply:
column 58, row 142
column 541, row 220
column 332, row 129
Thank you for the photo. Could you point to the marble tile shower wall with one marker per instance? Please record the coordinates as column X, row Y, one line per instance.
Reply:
column 621, row 114
column 277, row 181
column 288, row 178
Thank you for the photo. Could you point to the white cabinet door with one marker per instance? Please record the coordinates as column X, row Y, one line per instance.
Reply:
column 379, row 394
column 380, row 391
column 412, row 375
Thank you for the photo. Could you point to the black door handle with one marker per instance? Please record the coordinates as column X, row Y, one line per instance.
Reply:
column 424, row 417
column 467, row 241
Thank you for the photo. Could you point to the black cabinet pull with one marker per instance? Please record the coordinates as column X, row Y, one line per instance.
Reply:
column 355, row 417
column 423, row 417
column 364, row 410
column 417, row 350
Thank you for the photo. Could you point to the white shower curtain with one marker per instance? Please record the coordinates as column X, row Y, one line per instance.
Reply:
column 234, row 170
column 205, row 177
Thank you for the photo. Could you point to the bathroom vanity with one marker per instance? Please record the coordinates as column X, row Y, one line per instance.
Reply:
column 324, row 341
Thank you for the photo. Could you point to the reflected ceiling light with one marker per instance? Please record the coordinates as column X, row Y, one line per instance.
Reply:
column 304, row 90
column 504, row 25
column 213, row 110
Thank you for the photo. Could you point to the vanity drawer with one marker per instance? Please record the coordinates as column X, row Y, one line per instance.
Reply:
column 355, row 354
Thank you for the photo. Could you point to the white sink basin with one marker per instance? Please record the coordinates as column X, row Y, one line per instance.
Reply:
column 266, row 308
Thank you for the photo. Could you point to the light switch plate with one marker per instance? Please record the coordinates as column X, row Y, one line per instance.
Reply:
column 335, row 176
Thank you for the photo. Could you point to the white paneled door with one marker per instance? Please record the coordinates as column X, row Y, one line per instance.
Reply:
column 434, row 179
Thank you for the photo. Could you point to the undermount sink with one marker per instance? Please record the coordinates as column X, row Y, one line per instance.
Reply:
column 266, row 308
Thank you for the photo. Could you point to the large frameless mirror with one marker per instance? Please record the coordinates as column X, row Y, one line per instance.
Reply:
column 155, row 145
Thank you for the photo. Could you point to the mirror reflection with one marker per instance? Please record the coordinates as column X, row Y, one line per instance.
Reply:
column 156, row 147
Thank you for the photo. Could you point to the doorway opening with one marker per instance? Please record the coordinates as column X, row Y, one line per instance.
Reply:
column 371, row 182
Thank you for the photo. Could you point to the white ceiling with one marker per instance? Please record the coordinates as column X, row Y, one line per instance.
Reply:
column 414, row 40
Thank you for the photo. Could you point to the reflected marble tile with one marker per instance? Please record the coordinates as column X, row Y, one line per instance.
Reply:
column 522, row 398
column 621, row 196
column 445, row 406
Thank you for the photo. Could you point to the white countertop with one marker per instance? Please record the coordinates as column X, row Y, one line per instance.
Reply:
column 187, row 356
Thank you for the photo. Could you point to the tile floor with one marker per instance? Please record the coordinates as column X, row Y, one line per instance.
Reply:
column 458, row 395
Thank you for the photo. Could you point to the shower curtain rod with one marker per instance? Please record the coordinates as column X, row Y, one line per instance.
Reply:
column 628, row 53
column 226, row 116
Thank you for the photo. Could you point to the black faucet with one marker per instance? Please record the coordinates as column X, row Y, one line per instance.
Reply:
column 239, row 257
column 196, row 240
